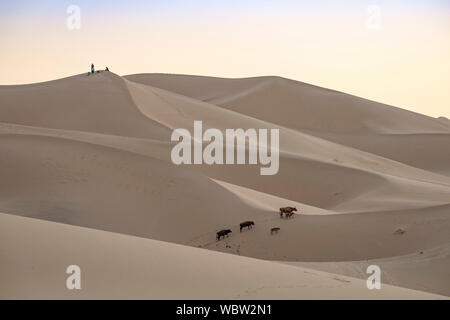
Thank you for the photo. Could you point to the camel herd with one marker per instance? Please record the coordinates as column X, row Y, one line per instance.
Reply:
column 288, row 212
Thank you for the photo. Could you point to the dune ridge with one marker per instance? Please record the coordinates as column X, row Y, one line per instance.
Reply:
column 94, row 152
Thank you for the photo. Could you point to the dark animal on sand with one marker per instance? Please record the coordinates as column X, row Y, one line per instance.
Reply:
column 223, row 233
column 287, row 210
column 274, row 230
column 289, row 215
column 247, row 224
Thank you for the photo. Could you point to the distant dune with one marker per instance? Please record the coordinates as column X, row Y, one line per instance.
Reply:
column 299, row 105
column 94, row 152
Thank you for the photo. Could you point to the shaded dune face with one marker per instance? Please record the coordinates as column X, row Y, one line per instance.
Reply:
column 99, row 103
column 310, row 182
column 94, row 151
column 380, row 129
column 298, row 105
column 103, row 188
column 422, row 150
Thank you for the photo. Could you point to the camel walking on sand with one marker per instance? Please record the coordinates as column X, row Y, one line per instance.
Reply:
column 223, row 233
column 289, row 215
column 274, row 230
column 287, row 210
column 246, row 224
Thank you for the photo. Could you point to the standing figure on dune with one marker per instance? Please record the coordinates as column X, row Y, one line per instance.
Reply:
column 92, row 68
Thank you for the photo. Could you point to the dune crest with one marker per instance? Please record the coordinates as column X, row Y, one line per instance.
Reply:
column 94, row 152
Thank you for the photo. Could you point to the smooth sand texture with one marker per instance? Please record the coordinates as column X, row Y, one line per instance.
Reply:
column 417, row 270
column 115, row 266
column 299, row 105
column 94, row 151
column 383, row 130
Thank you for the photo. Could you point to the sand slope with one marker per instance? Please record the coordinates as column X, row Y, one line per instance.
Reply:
column 94, row 151
column 310, row 155
column 115, row 266
column 99, row 103
column 417, row 270
column 55, row 179
column 104, row 188
column 298, row 105
column 366, row 125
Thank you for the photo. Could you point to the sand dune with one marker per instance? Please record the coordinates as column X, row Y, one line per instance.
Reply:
column 423, row 151
column 299, row 105
column 417, row 271
column 444, row 120
column 56, row 179
column 115, row 266
column 269, row 202
column 315, row 156
column 390, row 132
column 146, row 197
column 99, row 103
column 94, row 151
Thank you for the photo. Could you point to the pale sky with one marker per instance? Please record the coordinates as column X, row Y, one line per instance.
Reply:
column 396, row 52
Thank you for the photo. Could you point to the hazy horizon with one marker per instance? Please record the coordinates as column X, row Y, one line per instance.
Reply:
column 393, row 52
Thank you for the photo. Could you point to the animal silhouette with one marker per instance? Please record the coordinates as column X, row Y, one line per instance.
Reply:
column 246, row 224
column 274, row 230
column 223, row 233
column 287, row 210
